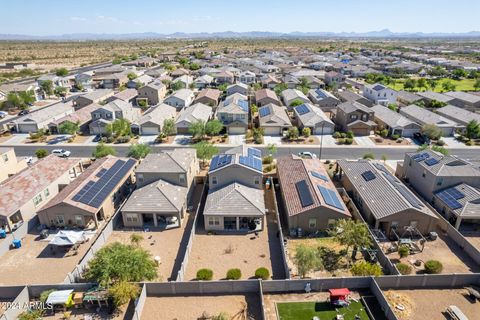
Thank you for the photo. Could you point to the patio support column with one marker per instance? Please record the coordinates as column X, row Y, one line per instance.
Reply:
column 238, row 223
column 377, row 223
column 457, row 224
column 155, row 223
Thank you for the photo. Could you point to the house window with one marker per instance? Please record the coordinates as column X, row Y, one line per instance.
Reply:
column 394, row 225
column 214, row 180
column 140, row 177
column 331, row 223
column 47, row 193
column 182, row 178
column 5, row 157
column 257, row 180
column 213, row 221
column 439, row 181
column 79, row 220
column 424, row 173
column 37, row 200
column 60, row 219
column 132, row 217
column 312, row 223
column 353, row 117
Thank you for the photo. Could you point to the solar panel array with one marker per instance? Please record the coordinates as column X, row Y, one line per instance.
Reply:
column 220, row 160
column 319, row 176
column 264, row 111
column 368, row 175
column 98, row 191
column 451, row 197
column 330, row 197
column 304, row 193
column 302, row 109
column 243, row 104
column 431, row 161
column 101, row 172
column 321, row 93
column 421, row 157
column 252, row 162
column 254, row 152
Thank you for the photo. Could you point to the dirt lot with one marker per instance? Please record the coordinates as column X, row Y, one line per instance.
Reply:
column 165, row 244
column 270, row 300
column 445, row 250
column 193, row 307
column 35, row 263
column 430, row 304
column 248, row 252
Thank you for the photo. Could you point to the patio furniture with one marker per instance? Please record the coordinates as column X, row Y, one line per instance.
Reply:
column 339, row 297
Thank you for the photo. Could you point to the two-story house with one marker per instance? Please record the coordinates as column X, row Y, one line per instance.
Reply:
column 234, row 113
column 110, row 112
column 355, row 117
column 180, row 99
column 152, row 93
column 380, row 94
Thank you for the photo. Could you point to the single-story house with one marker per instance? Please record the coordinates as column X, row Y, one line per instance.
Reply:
column 423, row 116
column 273, row 119
column 323, row 99
column 266, row 96
column 194, row 113
column 309, row 116
column 458, row 115
column 241, row 88
column 394, row 122
column 151, row 122
column 40, row 119
column 181, row 98
column 291, row 95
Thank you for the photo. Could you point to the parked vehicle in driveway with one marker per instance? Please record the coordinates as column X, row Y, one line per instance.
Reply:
column 62, row 153
column 97, row 138
column 307, row 155
column 421, row 138
column 3, row 114
column 23, row 112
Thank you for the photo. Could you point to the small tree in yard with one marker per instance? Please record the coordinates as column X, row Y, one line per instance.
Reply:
column 213, row 127
column 41, row 153
column 139, row 150
column 102, row 150
column 47, row 87
column 204, row 274
column 404, row 268
column 272, row 149
column 293, row 133
column 351, row 234
column 296, row 103
column 197, row 129
column 364, row 268
column 234, row 274
column 61, row 72
column 472, row 130
column 119, row 128
column 205, row 151
column 69, row 127
column 177, row 85
column 432, row 131
column 262, row 273
column 123, row 291
column 306, row 132
column 168, row 127
column 306, row 259
column 131, row 76
column 403, row 251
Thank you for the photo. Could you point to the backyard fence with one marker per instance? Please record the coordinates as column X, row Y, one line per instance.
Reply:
column 21, row 232
column 281, row 239
column 188, row 249
column 140, row 303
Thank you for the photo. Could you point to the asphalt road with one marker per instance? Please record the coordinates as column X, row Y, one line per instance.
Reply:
column 327, row 153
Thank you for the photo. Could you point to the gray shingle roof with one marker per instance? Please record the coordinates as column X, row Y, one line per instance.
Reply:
column 235, row 200
column 426, row 117
column 352, row 106
column 276, row 117
column 198, row 111
column 176, row 160
column 458, row 114
column 447, row 165
column 158, row 196
column 470, row 202
column 391, row 118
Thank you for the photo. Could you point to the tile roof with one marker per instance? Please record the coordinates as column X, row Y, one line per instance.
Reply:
column 81, row 116
column 213, row 94
column 265, row 93
column 235, row 199
column 314, row 115
column 176, row 160
column 293, row 169
column 158, row 114
column 198, row 111
column 458, row 114
column 25, row 185
column 275, row 116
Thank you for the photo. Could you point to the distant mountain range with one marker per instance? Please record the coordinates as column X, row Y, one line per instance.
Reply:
column 230, row 34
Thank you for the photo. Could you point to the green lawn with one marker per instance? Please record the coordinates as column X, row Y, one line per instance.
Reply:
column 462, row 85
column 323, row 310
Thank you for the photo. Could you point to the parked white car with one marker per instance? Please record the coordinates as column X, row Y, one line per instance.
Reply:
column 62, row 153
column 307, row 154
column 3, row 114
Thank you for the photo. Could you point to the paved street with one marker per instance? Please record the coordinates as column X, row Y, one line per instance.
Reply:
column 396, row 153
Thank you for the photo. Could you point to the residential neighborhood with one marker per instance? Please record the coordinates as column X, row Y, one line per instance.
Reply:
column 296, row 175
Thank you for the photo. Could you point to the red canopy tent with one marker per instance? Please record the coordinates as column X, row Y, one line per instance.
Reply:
column 339, row 294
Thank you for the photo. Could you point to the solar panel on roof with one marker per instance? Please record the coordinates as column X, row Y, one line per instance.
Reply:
column 320, row 93
column 319, row 176
column 368, row 175
column 304, row 193
column 330, row 197
column 252, row 162
column 431, row 161
column 82, row 191
column 243, row 104
column 421, row 157
column 220, row 160
column 264, row 111
column 450, row 198
column 101, row 172
column 254, row 152
column 302, row 109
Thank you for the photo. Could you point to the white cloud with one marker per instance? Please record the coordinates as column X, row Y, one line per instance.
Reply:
column 78, row 19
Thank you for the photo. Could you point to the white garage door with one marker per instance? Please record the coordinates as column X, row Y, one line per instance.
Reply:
column 272, row 131
column 26, row 128
column 150, row 130
column 236, row 130
column 326, row 130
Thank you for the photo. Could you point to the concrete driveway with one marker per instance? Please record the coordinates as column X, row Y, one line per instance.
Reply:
column 182, row 139
column 147, row 139
column 236, row 138
column 327, row 140
column 277, row 140
column 364, row 141
column 453, row 143
column 17, row 138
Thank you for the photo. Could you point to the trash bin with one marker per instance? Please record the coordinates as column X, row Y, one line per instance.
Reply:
column 17, row 243
column 3, row 233
column 433, row 236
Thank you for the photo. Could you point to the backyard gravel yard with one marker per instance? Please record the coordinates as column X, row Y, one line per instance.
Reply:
column 193, row 307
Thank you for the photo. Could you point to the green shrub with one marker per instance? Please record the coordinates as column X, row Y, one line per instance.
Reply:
column 262, row 273
column 267, row 160
column 341, row 141
column 395, row 137
column 343, row 135
column 363, row 268
column 433, row 267
column 404, row 268
column 440, row 143
column 384, row 133
column 469, row 143
column 122, row 139
column 348, row 140
column 306, row 132
column 403, row 251
column 234, row 274
column 41, row 153
column 336, row 135
column 204, row 274
column 349, row 134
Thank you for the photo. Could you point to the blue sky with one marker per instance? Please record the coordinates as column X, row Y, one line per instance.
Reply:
column 53, row 17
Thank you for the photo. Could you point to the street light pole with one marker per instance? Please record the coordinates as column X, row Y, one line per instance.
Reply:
column 321, row 143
